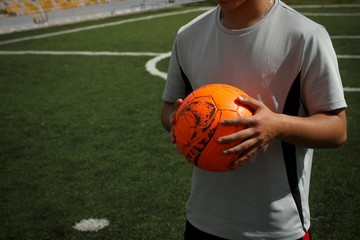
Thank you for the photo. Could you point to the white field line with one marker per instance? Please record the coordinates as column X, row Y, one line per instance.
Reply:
column 341, row 56
column 313, row 14
column 75, row 30
column 350, row 89
column 79, row 53
column 345, row 37
column 150, row 66
column 158, row 56
column 326, row 6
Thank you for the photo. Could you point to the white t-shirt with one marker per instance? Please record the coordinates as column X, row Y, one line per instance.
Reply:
column 286, row 61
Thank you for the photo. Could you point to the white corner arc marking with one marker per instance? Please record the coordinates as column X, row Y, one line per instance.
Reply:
column 151, row 67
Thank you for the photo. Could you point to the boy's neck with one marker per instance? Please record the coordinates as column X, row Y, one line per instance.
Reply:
column 246, row 14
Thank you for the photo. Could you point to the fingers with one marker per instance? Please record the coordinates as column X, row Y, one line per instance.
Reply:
column 249, row 144
column 237, row 121
column 248, row 101
column 172, row 124
column 243, row 160
column 241, row 147
column 247, row 152
column 172, row 136
column 251, row 103
column 172, row 121
column 256, row 134
column 237, row 136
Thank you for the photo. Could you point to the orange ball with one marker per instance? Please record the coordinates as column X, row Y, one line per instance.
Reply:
column 197, row 127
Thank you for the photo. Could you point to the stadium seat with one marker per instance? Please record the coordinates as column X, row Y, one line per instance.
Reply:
column 47, row 5
column 12, row 7
column 24, row 7
column 30, row 7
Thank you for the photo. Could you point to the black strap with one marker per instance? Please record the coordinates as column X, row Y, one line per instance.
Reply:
column 188, row 88
column 292, row 107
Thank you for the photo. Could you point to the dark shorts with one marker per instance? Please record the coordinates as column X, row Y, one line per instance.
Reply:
column 192, row 233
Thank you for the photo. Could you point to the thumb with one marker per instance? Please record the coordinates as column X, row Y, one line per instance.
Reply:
column 178, row 103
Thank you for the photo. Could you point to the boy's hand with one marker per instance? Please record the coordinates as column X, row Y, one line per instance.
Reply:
column 261, row 129
column 172, row 120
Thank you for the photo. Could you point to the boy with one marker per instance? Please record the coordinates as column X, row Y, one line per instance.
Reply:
column 287, row 64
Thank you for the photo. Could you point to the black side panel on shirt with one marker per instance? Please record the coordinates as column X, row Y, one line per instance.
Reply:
column 188, row 88
column 292, row 106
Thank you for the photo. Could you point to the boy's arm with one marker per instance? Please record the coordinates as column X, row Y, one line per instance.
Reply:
column 167, row 116
column 322, row 130
column 166, row 110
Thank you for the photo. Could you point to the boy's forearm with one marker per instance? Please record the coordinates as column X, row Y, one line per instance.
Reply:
column 324, row 130
column 166, row 111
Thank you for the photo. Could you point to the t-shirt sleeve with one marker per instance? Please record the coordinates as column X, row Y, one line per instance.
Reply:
column 321, row 80
column 174, row 86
